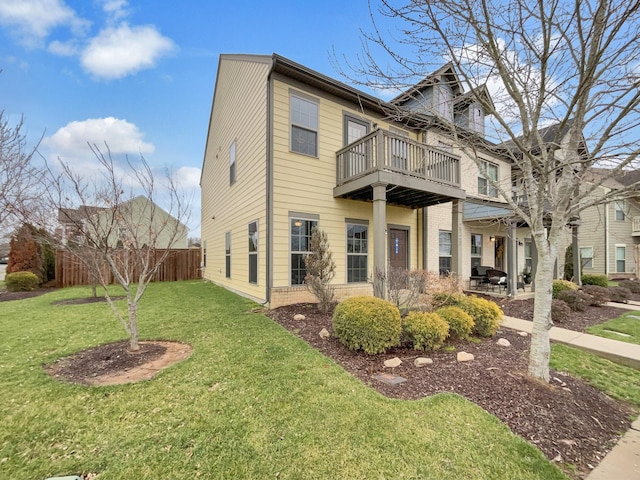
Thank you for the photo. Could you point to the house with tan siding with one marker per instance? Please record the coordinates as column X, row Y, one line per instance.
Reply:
column 609, row 235
column 289, row 149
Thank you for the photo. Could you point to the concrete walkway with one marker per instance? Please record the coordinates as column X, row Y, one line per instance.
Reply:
column 623, row 461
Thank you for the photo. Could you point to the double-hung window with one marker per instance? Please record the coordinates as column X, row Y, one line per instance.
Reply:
column 528, row 254
column 621, row 260
column 304, row 125
column 253, row 252
column 487, row 171
column 300, row 229
column 445, row 252
column 620, row 210
column 476, row 250
column 586, row 257
column 357, row 252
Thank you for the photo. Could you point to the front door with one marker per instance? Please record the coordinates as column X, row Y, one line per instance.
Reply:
column 398, row 252
column 499, row 253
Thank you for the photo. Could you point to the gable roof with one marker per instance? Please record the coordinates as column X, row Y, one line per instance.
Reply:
column 446, row 71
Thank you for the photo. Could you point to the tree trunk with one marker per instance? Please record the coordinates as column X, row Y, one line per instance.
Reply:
column 540, row 345
column 133, row 327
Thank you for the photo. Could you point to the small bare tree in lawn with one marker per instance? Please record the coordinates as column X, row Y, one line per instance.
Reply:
column 566, row 93
column 320, row 269
column 120, row 236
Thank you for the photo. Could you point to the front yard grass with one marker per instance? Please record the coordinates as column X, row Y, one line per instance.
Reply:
column 251, row 402
column 627, row 324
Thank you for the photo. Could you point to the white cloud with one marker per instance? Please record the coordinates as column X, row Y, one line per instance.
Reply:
column 116, row 9
column 118, row 52
column 187, row 177
column 33, row 20
column 64, row 49
column 121, row 136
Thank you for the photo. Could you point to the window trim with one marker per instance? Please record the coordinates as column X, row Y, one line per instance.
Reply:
column 254, row 253
column 619, row 208
column 305, row 98
column 477, row 255
column 490, row 190
column 440, row 255
column 232, row 162
column 227, row 254
column 583, row 259
column 362, row 223
column 624, row 249
column 350, row 117
column 305, row 217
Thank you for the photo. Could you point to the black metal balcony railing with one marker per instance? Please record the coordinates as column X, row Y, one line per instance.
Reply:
column 382, row 150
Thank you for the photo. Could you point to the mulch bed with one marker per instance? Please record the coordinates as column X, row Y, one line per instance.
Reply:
column 6, row 296
column 570, row 421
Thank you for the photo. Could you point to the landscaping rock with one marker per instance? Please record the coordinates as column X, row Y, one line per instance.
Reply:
column 324, row 333
column 422, row 362
column 503, row 342
column 393, row 362
column 523, row 334
column 465, row 357
column 299, row 317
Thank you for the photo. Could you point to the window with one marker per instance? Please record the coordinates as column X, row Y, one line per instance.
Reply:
column 232, row 163
column 620, row 210
column 253, row 252
column 586, row 257
column 227, row 254
column 476, row 250
column 445, row 252
column 204, row 253
column 357, row 250
column 487, row 171
column 528, row 254
column 620, row 259
column 356, row 159
column 354, row 128
column 300, row 238
column 304, row 126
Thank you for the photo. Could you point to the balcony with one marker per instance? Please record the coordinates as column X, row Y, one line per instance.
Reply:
column 416, row 174
column 635, row 227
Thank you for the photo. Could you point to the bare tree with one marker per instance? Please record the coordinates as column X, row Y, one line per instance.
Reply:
column 565, row 82
column 114, row 227
column 320, row 269
column 19, row 177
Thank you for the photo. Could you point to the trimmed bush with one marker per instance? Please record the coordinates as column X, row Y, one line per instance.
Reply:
column 632, row 285
column 592, row 279
column 599, row 295
column 367, row 323
column 619, row 294
column 460, row 322
column 562, row 285
column 485, row 313
column 425, row 331
column 559, row 310
column 21, row 281
column 446, row 299
column 577, row 300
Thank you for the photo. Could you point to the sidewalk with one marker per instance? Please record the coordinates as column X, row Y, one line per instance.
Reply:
column 623, row 461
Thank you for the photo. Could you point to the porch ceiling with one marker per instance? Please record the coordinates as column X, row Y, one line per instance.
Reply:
column 401, row 190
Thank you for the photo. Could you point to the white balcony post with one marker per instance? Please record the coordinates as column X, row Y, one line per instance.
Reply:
column 379, row 238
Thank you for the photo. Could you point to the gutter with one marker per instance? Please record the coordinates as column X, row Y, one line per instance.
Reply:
column 269, row 192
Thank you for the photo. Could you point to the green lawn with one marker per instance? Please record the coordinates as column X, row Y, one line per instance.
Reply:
column 627, row 324
column 253, row 401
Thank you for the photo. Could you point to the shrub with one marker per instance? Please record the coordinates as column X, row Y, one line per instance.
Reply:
column 619, row 294
column 562, row 285
column 426, row 331
column 367, row 323
column 446, row 299
column 21, row 281
column 599, row 295
column 559, row 310
column 632, row 285
column 460, row 322
column 578, row 301
column 592, row 279
column 485, row 314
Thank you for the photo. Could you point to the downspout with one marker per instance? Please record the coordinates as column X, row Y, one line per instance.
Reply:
column 269, row 192
column 424, row 238
column 606, row 239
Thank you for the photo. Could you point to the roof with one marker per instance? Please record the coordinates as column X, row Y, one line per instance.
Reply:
column 551, row 136
column 446, row 70
column 74, row 215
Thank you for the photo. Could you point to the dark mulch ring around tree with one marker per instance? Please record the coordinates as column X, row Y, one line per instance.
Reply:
column 571, row 422
column 86, row 300
column 6, row 296
column 103, row 360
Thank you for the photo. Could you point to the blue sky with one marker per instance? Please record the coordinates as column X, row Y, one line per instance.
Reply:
column 140, row 74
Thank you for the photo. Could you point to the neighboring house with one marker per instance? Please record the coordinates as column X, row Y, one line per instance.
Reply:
column 138, row 219
column 289, row 149
column 609, row 234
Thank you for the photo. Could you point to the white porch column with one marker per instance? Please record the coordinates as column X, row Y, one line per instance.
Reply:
column 379, row 238
column 512, row 259
column 456, row 237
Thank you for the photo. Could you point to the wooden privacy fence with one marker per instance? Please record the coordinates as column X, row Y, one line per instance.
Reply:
column 180, row 264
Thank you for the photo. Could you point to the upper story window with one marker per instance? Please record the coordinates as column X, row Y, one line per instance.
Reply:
column 232, row 163
column 486, row 172
column 304, row 126
column 620, row 210
column 354, row 128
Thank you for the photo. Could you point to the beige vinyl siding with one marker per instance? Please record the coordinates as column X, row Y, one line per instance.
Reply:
column 239, row 114
column 305, row 184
